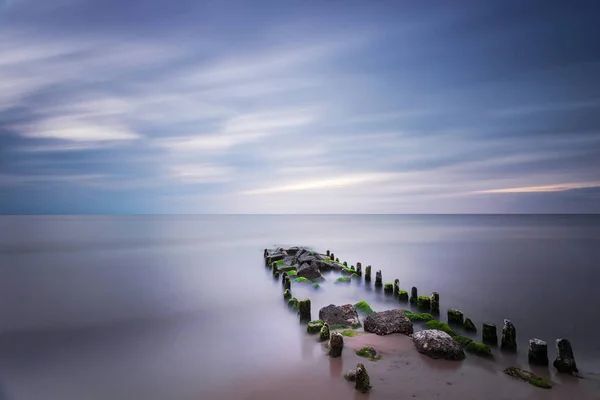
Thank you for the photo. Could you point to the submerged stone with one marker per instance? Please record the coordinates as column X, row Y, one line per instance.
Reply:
column 368, row 273
column 336, row 344
column 440, row 326
column 469, row 325
column 509, row 336
column 438, row 344
column 528, row 376
column 304, row 310
column 435, row 303
column 472, row 346
column 342, row 315
column 350, row 375
column 287, row 294
column 403, row 295
column 388, row 322
column 537, row 352
column 414, row 295
column 388, row 287
column 363, row 383
column 424, row 302
column 368, row 352
column 324, row 332
column 314, row 326
column 565, row 360
column 363, row 307
column 455, row 316
column 293, row 303
column 489, row 334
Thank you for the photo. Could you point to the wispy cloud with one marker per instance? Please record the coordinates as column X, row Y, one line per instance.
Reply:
column 539, row 189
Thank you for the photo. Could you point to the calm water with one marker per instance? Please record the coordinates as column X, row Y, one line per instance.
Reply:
column 177, row 306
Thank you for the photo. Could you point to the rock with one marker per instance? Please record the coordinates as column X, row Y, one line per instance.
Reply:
column 293, row 303
column 413, row 295
column 350, row 375
column 455, row 317
column 396, row 286
column 288, row 284
column 336, row 344
column 565, row 360
column 438, row 344
column 266, row 253
column 435, row 303
column 287, row 294
column 273, row 257
column 368, row 352
column 368, row 273
column 345, row 264
column 509, row 336
column 292, row 251
column 538, row 352
column 304, row 310
column 309, row 271
column 469, row 325
column 388, row 288
column 324, row 333
column 378, row 282
column 328, row 253
column 363, row 383
column 388, row 322
column 342, row 315
column 489, row 334
column 358, row 269
column 472, row 346
column 332, row 257
column 314, row 326
column 528, row 376
column 403, row 295
column 424, row 302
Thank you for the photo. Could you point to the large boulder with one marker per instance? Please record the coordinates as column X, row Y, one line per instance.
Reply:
column 438, row 344
column 387, row 322
column 342, row 315
column 309, row 271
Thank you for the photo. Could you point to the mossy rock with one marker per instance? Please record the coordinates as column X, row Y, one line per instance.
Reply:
column 368, row 352
column 388, row 287
column 530, row 377
column 418, row 317
column 344, row 279
column 316, row 285
column 474, row 347
column 291, row 273
column 287, row 294
column 315, row 326
column 301, row 279
column 279, row 262
column 403, row 295
column 293, row 303
column 455, row 317
column 349, row 333
column 469, row 325
column 363, row 307
column 440, row 326
column 424, row 302
column 324, row 333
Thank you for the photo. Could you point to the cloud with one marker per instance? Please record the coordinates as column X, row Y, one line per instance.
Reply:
column 200, row 173
column 546, row 188
column 77, row 130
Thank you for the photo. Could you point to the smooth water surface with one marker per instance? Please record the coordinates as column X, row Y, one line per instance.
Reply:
column 159, row 307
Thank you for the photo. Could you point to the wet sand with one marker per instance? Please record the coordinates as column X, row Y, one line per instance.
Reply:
column 402, row 373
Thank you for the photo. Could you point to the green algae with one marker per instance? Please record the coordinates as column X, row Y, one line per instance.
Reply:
column 440, row 326
column 367, row 352
column 418, row 317
column 363, row 307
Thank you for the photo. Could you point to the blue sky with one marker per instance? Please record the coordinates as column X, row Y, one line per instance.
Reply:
column 299, row 106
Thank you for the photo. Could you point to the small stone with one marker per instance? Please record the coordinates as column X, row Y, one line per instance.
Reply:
column 414, row 295
column 350, row 375
column 509, row 336
column 469, row 325
column 435, row 303
column 287, row 294
column 538, row 352
column 368, row 273
column 378, row 281
column 314, row 326
column 528, row 376
column 455, row 316
column 336, row 344
column 324, row 333
column 304, row 310
column 363, row 383
column 565, row 360
column 489, row 334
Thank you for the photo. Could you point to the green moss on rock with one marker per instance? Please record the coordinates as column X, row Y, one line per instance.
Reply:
column 474, row 347
column 368, row 352
column 388, row 287
column 349, row 333
column 455, row 316
column 417, row 317
column 324, row 333
column 424, row 302
column 440, row 326
column 403, row 295
column 529, row 376
column 291, row 273
column 344, row 279
column 315, row 326
column 301, row 279
column 293, row 303
column 287, row 294
column 316, row 285
column 363, row 307
column 469, row 325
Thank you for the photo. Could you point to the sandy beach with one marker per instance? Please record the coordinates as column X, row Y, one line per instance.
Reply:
column 402, row 373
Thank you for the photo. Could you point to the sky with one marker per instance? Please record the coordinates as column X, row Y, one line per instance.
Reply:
column 329, row 106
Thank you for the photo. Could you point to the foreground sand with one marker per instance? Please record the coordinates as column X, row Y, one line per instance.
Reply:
column 402, row 373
